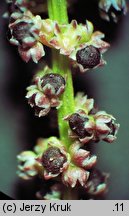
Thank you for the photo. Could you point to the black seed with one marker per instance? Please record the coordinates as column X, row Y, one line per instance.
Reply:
column 77, row 123
column 21, row 30
column 53, row 160
column 54, row 80
column 88, row 57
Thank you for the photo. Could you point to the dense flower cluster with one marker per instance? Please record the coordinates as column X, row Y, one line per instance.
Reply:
column 45, row 91
column 88, row 124
column 77, row 41
column 51, row 159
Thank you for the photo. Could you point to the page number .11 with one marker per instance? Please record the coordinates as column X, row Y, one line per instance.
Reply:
column 119, row 207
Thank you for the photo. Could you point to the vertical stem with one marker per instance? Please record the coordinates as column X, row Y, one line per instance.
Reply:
column 57, row 10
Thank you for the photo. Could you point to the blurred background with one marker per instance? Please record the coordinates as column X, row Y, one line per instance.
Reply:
column 109, row 86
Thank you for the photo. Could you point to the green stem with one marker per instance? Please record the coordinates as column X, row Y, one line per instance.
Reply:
column 57, row 10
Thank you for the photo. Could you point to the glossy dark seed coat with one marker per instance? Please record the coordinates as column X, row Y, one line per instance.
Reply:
column 54, row 80
column 88, row 57
column 53, row 160
column 77, row 123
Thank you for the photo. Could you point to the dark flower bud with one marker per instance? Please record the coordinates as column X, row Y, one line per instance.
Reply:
column 53, row 160
column 88, row 57
column 97, row 182
column 55, row 81
column 21, row 30
column 77, row 125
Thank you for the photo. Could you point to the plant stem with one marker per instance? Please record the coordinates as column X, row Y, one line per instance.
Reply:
column 57, row 10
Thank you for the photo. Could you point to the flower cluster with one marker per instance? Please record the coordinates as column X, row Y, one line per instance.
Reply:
column 83, row 46
column 88, row 124
column 112, row 9
column 24, row 34
column 68, row 161
column 77, row 41
column 51, row 159
column 45, row 91
column 96, row 186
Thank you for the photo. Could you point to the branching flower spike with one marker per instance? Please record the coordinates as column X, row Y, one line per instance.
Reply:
column 63, row 162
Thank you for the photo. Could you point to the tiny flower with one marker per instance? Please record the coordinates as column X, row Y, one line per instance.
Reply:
column 81, row 161
column 84, row 103
column 74, row 175
column 97, row 183
column 89, row 55
column 82, row 126
column 35, row 52
column 38, row 100
column 54, row 160
column 21, row 31
column 106, row 128
column 89, row 124
column 24, row 33
column 45, row 92
column 112, row 9
column 52, row 84
column 27, row 165
column 81, row 157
